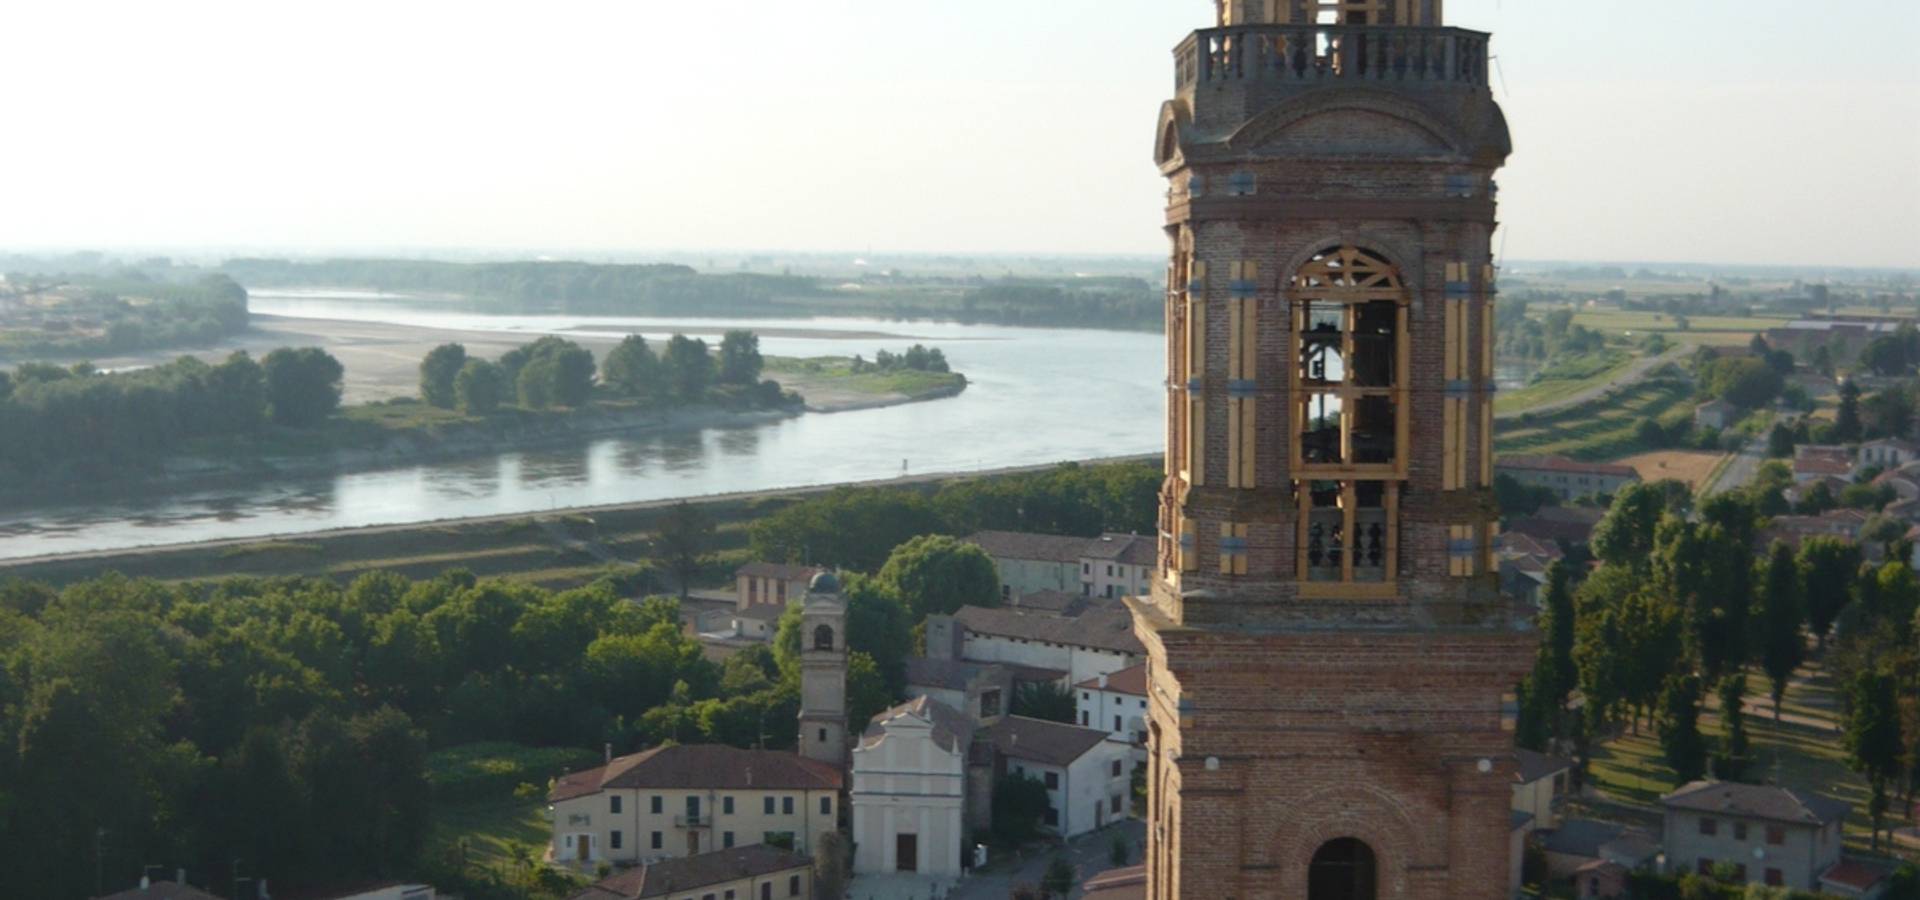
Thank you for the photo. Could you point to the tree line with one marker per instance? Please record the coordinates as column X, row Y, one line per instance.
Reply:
column 554, row 371
column 77, row 420
column 1679, row 608
column 122, row 313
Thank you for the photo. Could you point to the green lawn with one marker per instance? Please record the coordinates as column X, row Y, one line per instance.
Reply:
column 491, row 828
column 1605, row 427
column 1564, row 379
column 837, row 371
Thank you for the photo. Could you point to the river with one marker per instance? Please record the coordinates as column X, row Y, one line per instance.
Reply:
column 1035, row 396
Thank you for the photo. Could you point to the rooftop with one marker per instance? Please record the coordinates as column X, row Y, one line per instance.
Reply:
column 1059, row 548
column 1564, row 465
column 1756, row 801
column 1129, row 883
column 1535, row 766
column 1042, row 741
column 782, row 571
column 162, row 890
column 687, row 873
column 1130, row 680
column 948, row 674
column 1855, row 874
column 952, row 730
column 715, row 766
column 1130, row 549
column 1099, row 629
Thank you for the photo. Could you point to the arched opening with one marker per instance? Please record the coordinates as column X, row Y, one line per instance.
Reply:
column 1342, row 869
column 823, row 638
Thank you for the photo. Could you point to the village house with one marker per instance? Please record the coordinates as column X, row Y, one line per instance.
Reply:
column 1096, row 642
column 1791, row 530
column 910, row 790
column 1771, row 835
column 1116, row 702
column 752, row 872
column 685, row 800
column 1800, row 492
column 1811, row 461
column 1088, row 775
column 981, row 691
column 1539, row 786
column 1576, row 843
column 1111, row 565
column 763, row 582
column 1523, row 561
column 1567, row 477
column 1715, row 414
column 1887, row 453
column 1856, row 879
column 1563, row 526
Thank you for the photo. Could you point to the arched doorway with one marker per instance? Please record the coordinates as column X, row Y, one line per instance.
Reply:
column 1342, row 869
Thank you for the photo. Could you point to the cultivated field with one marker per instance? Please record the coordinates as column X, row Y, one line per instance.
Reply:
column 1690, row 466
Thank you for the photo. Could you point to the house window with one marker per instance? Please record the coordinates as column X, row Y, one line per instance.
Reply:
column 793, row 886
column 1053, row 817
column 823, row 735
column 726, row 805
column 1739, row 831
column 1116, row 723
column 1109, row 571
column 613, row 803
column 728, row 895
column 1704, row 866
column 1085, row 695
column 1709, row 826
column 706, row 897
column 766, row 805
column 726, row 839
column 1113, row 804
column 1086, row 568
column 613, row 839
column 766, row 891
column 1083, row 717
column 1053, row 781
column 1775, row 878
column 1006, row 592
column 658, row 805
column 658, row 841
column 781, row 839
column 1776, row 835
column 989, row 703
column 826, row 806
column 1116, row 768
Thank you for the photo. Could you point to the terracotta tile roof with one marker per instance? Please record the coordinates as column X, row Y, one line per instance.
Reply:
column 162, row 890
column 1130, row 549
column 1520, row 543
column 1821, row 465
column 1055, row 602
column 782, row 571
column 1535, row 766
column 693, row 872
column 1099, row 629
column 1026, row 545
column 1855, row 874
column 1130, row 680
column 952, row 730
column 1757, row 801
column 1043, row 741
column 701, row 766
column 1563, row 464
column 767, row 612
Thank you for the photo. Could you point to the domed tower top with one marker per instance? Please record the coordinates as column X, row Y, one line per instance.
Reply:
column 824, row 583
column 1326, row 12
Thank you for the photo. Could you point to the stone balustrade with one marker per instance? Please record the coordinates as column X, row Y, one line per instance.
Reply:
column 1308, row 54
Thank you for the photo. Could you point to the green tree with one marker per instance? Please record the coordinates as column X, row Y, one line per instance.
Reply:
column 830, row 865
column 1059, row 878
column 1044, row 700
column 1744, row 381
column 632, row 369
column 1680, row 740
column 936, row 575
column 239, row 391
column 1873, row 739
column 1782, row 648
column 879, row 625
column 740, row 361
column 1731, row 763
column 1846, row 422
column 1019, row 805
column 303, row 385
column 867, row 692
column 1780, row 441
column 1561, row 676
column 681, row 544
column 688, row 367
column 479, row 388
column 437, row 374
column 1828, row 567
column 1624, row 537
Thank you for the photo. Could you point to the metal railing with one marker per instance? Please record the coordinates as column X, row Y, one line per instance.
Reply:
column 1315, row 53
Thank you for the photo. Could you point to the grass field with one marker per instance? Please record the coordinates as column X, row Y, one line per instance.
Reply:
column 837, row 371
column 1565, row 379
column 1603, row 428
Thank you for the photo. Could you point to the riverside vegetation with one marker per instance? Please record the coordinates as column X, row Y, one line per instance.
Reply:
column 407, row 726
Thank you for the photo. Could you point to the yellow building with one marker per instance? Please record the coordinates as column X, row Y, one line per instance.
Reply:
column 758, row 872
column 686, row 800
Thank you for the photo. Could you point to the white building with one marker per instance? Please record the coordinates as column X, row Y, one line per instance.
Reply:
column 909, row 790
column 689, row 799
column 980, row 691
column 755, row 872
column 1888, row 453
column 1116, row 702
column 1117, row 565
column 1097, row 642
column 1111, row 565
column 1088, row 775
column 757, row 583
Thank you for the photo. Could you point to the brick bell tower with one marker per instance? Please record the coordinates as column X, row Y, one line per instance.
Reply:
column 1330, row 656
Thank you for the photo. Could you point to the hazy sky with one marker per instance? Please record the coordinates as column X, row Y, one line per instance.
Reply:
column 1700, row 130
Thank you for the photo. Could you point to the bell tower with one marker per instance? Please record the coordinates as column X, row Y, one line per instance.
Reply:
column 1329, row 654
column 823, row 672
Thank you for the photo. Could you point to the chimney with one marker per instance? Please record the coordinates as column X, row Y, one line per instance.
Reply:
column 144, row 882
column 609, row 752
column 1103, row 682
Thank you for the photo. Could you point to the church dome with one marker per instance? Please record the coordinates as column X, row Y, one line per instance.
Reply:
column 824, row 583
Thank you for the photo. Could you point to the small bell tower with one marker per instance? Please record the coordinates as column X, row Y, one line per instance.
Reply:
column 823, row 672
